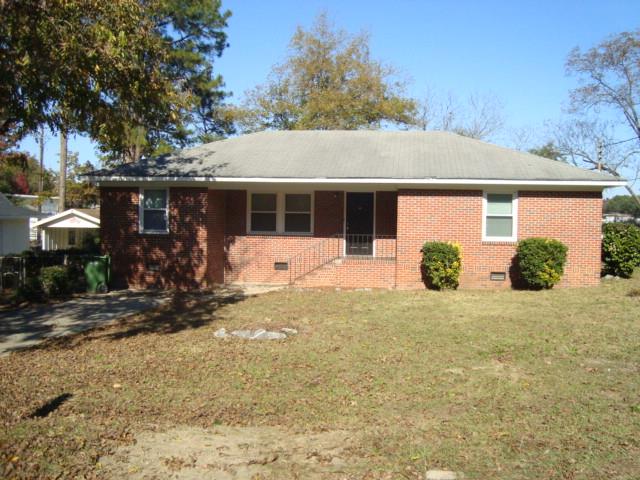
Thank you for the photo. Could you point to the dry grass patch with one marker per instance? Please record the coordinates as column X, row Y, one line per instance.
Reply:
column 495, row 384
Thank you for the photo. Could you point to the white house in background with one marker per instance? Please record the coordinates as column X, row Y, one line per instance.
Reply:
column 48, row 206
column 14, row 227
column 69, row 228
column 619, row 217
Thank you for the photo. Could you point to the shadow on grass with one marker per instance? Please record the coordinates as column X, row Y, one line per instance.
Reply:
column 184, row 311
column 51, row 406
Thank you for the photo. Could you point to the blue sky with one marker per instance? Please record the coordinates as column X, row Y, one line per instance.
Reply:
column 513, row 49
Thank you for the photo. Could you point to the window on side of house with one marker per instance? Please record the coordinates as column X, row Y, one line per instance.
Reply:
column 71, row 238
column 297, row 213
column 500, row 217
column 154, row 210
column 264, row 212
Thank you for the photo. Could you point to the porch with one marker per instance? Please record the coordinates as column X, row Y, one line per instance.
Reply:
column 360, row 253
column 351, row 238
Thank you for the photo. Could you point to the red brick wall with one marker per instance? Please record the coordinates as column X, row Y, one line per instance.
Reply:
column 236, row 212
column 352, row 272
column 208, row 243
column 174, row 260
column 251, row 258
column 456, row 215
column 216, row 224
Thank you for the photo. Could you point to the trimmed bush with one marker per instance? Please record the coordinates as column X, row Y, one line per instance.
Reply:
column 541, row 261
column 55, row 280
column 620, row 249
column 442, row 262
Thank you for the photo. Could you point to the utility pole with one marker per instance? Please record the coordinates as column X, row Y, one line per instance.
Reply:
column 62, row 175
column 41, row 176
column 599, row 152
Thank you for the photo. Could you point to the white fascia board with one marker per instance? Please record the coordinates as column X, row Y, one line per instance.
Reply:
column 69, row 212
column 373, row 181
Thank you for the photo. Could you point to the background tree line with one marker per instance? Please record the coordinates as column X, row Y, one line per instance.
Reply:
column 138, row 78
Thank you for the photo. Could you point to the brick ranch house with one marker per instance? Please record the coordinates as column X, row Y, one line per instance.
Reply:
column 342, row 208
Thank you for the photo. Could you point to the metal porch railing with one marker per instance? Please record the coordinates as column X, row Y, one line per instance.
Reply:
column 337, row 246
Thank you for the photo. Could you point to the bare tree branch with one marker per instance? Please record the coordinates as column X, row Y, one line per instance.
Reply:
column 479, row 116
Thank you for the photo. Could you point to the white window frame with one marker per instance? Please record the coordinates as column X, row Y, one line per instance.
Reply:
column 310, row 213
column 280, row 212
column 251, row 212
column 513, row 216
column 141, row 210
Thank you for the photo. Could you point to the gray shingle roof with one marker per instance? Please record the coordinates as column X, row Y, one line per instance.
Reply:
column 355, row 155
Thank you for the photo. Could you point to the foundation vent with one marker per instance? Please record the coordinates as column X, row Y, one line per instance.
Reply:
column 498, row 276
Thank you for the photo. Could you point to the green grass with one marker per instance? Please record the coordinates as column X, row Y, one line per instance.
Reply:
column 496, row 384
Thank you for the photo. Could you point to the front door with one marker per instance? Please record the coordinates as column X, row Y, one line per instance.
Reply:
column 359, row 224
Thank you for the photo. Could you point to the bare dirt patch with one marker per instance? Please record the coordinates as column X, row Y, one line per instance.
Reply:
column 233, row 453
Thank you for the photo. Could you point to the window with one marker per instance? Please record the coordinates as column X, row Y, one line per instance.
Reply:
column 500, row 216
column 297, row 213
column 264, row 212
column 154, row 211
column 280, row 213
column 71, row 239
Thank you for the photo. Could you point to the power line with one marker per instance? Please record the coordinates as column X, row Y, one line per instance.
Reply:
column 621, row 141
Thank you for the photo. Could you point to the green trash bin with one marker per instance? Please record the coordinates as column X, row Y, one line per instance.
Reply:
column 97, row 273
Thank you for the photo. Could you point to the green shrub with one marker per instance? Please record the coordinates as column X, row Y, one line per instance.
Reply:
column 55, row 280
column 30, row 291
column 541, row 261
column 620, row 249
column 442, row 262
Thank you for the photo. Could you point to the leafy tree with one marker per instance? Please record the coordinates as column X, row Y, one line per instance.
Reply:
column 111, row 67
column 622, row 204
column 328, row 81
column 19, row 171
column 79, row 193
column 192, row 34
column 548, row 150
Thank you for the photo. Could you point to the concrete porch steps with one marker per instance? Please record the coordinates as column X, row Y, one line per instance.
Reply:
column 352, row 272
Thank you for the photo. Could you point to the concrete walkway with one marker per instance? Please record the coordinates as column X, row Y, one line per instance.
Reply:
column 28, row 326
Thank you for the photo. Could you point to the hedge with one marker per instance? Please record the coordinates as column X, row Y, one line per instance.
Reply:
column 620, row 249
column 442, row 262
column 541, row 261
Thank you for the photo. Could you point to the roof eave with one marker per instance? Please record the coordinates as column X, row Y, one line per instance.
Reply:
column 375, row 181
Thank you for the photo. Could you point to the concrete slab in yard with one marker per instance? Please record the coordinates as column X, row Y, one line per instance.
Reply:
column 29, row 326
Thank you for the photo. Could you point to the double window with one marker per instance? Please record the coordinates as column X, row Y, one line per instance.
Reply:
column 280, row 213
column 500, row 217
column 154, row 210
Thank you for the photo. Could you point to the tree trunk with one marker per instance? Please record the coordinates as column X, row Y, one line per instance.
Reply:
column 62, row 176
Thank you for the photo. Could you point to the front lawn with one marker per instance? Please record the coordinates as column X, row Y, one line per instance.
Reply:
column 504, row 384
